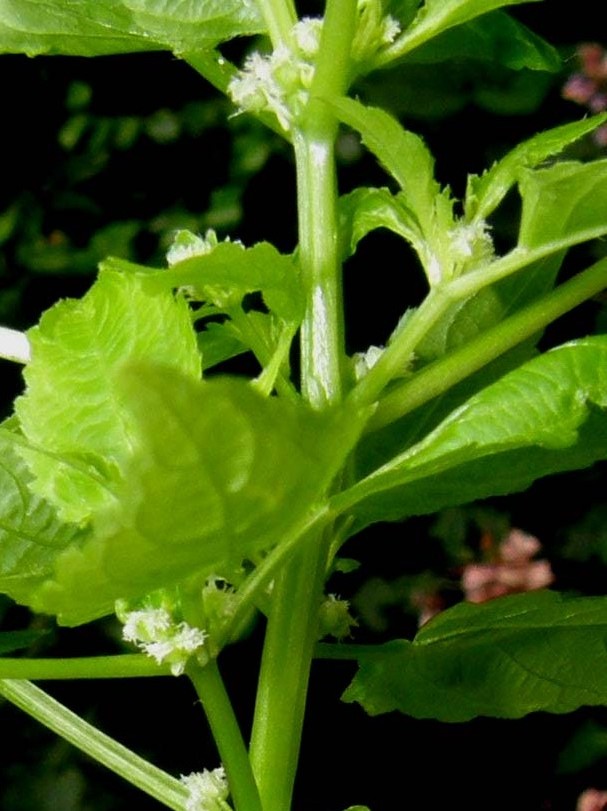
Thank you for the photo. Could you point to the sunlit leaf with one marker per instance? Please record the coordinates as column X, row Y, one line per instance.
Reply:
column 218, row 473
column 71, row 407
column 96, row 27
column 31, row 535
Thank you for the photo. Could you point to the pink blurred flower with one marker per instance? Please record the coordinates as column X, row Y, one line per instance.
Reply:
column 588, row 85
column 592, row 800
column 512, row 570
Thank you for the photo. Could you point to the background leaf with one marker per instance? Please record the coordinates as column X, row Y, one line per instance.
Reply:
column 71, row 406
column 17, row 640
column 97, row 27
column 505, row 658
column 219, row 474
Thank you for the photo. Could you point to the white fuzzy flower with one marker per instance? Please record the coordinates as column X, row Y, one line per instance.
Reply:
column 155, row 632
column 207, row 790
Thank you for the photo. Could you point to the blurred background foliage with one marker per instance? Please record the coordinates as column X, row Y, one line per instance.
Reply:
column 110, row 156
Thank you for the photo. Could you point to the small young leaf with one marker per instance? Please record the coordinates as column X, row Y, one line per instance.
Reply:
column 427, row 210
column 495, row 39
column 218, row 473
column 228, row 272
column 31, row 536
column 97, row 27
column 564, row 203
column 486, row 192
column 438, row 16
column 538, row 419
column 504, row 658
column 71, row 407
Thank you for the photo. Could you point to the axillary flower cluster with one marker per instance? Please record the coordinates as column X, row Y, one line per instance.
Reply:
column 280, row 82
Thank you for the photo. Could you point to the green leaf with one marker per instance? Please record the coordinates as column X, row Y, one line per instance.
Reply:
column 427, row 210
column 31, row 535
column 539, row 419
column 17, row 640
column 219, row 342
column 565, row 203
column 438, row 16
column 219, row 473
column 71, row 407
column 495, row 38
column 486, row 192
column 230, row 271
column 97, row 27
column 504, row 658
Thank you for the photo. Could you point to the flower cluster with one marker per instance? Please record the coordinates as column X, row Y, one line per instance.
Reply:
column 207, row 790
column 592, row 800
column 280, row 82
column 157, row 634
column 588, row 85
column 335, row 619
column 512, row 570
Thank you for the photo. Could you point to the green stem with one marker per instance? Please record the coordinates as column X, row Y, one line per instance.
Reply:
column 280, row 17
column 293, row 620
column 210, row 688
column 288, row 651
column 101, row 747
column 126, row 666
column 446, row 372
column 397, row 355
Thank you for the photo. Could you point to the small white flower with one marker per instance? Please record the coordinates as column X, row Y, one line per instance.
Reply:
column 186, row 244
column 155, row 632
column 207, row 790
column 307, row 35
column 390, row 29
column 471, row 241
column 363, row 361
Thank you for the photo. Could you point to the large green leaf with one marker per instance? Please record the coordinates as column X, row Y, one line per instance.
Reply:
column 219, row 473
column 96, row 27
column 71, row 407
column 504, row 658
column 538, row 419
column 31, row 535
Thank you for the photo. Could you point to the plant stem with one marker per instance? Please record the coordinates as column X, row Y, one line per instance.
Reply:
column 101, row 747
column 293, row 620
column 209, row 685
column 441, row 375
column 280, row 18
column 132, row 665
